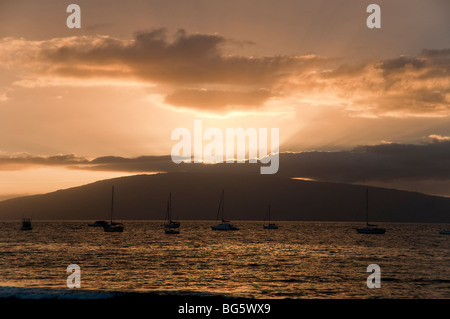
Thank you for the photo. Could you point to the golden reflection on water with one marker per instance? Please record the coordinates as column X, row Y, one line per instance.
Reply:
column 299, row 260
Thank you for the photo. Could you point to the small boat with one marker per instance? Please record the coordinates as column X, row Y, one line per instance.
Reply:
column 224, row 225
column 270, row 225
column 171, row 227
column 98, row 223
column 113, row 227
column 369, row 229
column 26, row 224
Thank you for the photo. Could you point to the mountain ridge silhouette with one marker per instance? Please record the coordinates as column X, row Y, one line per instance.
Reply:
column 195, row 196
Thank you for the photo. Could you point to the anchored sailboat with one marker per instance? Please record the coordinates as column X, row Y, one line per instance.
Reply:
column 369, row 229
column 270, row 225
column 172, row 226
column 224, row 225
column 113, row 227
column 26, row 224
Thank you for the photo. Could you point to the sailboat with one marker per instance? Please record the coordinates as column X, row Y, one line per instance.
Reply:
column 224, row 225
column 270, row 225
column 26, row 224
column 172, row 226
column 113, row 227
column 369, row 229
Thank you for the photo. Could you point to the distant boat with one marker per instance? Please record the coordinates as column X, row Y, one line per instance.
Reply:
column 224, row 225
column 98, row 223
column 270, row 225
column 26, row 224
column 113, row 227
column 171, row 227
column 369, row 229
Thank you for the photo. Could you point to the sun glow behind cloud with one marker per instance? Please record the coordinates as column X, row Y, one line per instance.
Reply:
column 120, row 86
column 290, row 92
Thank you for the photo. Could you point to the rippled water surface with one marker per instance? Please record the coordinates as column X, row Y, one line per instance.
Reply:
column 299, row 260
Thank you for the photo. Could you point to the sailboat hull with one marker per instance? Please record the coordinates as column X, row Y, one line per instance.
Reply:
column 26, row 225
column 270, row 225
column 172, row 225
column 370, row 230
column 224, row 226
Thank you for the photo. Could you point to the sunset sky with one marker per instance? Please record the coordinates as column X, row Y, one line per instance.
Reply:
column 75, row 102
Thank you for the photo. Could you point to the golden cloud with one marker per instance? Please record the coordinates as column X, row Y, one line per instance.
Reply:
column 193, row 71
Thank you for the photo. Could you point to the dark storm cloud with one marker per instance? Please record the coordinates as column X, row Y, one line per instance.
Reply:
column 23, row 161
column 136, row 164
column 429, row 64
column 189, row 59
column 436, row 54
column 198, row 71
column 401, row 63
column 104, row 163
column 194, row 69
column 384, row 162
column 400, row 87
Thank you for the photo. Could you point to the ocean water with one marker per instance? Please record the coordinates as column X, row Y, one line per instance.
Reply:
column 299, row 260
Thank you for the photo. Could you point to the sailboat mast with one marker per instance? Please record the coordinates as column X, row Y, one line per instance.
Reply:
column 169, row 212
column 112, row 203
column 367, row 206
column 220, row 209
